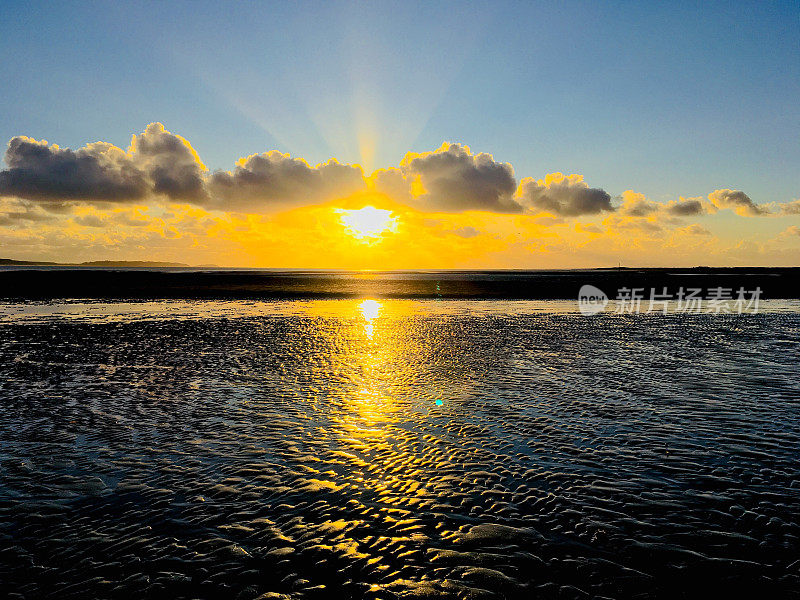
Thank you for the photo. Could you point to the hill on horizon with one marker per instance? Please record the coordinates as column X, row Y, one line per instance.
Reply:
column 91, row 263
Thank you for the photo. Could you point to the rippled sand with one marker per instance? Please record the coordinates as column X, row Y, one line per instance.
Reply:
column 397, row 449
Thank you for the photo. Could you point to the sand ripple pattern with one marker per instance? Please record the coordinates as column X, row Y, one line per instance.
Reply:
column 369, row 450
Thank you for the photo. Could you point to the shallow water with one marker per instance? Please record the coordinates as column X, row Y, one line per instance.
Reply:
column 397, row 449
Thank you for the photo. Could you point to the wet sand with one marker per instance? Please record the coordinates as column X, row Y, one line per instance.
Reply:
column 398, row 449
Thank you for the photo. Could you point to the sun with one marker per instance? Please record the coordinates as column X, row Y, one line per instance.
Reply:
column 367, row 224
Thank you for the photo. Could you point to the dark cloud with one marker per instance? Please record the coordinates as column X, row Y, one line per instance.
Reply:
column 637, row 205
column 686, row 208
column 174, row 168
column 563, row 196
column 737, row 200
column 264, row 180
column 452, row 179
column 100, row 171
column 158, row 162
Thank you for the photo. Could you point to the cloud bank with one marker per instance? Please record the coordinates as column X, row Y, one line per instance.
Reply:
column 161, row 166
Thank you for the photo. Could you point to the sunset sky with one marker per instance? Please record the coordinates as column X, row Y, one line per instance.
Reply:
column 400, row 135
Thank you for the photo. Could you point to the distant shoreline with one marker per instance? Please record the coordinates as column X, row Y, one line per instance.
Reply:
column 8, row 262
column 113, row 282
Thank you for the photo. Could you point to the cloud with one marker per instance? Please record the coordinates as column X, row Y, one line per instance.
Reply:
column 790, row 232
column 452, row 179
column 90, row 221
column 685, row 208
column 99, row 171
column 132, row 217
column 161, row 166
column 695, row 229
column 157, row 162
column 173, row 166
column 738, row 201
column 635, row 204
column 265, row 180
column 590, row 229
column 394, row 184
column 561, row 195
column 466, row 232
column 790, row 208
column 14, row 218
column 649, row 227
column 22, row 213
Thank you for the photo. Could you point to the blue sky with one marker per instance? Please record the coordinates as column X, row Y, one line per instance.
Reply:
column 668, row 99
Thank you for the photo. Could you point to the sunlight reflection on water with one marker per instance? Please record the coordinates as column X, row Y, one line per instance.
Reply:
column 369, row 309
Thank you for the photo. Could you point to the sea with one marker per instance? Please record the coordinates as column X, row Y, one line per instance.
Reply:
column 397, row 448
